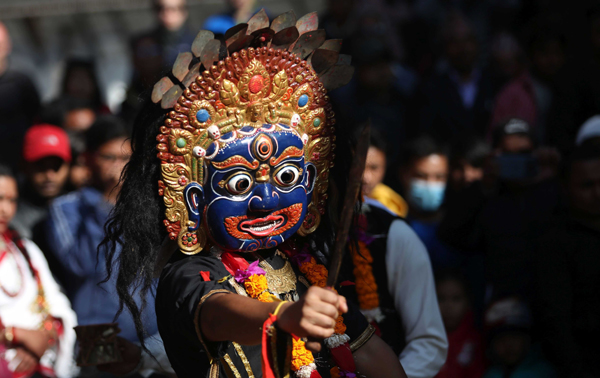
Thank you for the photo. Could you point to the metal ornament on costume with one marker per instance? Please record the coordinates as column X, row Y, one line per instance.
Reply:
column 246, row 151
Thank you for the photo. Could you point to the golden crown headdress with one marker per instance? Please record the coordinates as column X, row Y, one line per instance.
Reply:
column 259, row 74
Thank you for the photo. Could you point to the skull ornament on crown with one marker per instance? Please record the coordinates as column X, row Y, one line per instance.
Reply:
column 247, row 147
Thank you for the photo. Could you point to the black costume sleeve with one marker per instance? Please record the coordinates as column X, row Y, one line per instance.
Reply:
column 180, row 295
column 181, row 292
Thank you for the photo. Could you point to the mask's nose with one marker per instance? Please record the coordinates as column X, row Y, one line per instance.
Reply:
column 264, row 198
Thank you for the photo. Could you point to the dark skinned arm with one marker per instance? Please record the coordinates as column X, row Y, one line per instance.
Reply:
column 236, row 318
column 233, row 317
column 376, row 359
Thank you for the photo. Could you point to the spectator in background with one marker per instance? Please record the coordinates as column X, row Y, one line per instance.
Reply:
column 80, row 174
column 381, row 85
column 467, row 157
column 238, row 11
column 36, row 319
column 75, row 228
column 78, row 116
column 375, row 170
column 172, row 33
column 46, row 162
column 530, row 96
column 568, row 271
column 457, row 100
column 423, row 175
column 589, row 132
column 402, row 303
column 580, row 97
column 19, row 104
column 80, row 84
column 508, row 322
column 501, row 215
column 465, row 345
column 155, row 51
column 508, row 60
column 467, row 160
column 340, row 18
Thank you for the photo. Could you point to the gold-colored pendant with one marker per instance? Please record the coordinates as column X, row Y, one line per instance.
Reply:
column 280, row 281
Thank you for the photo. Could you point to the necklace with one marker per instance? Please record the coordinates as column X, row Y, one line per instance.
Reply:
column 255, row 280
column 281, row 281
column 40, row 304
column 7, row 256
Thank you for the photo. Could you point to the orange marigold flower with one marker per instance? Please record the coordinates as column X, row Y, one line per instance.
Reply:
column 335, row 372
column 265, row 297
column 340, row 327
column 300, row 355
column 255, row 284
column 306, row 267
column 366, row 287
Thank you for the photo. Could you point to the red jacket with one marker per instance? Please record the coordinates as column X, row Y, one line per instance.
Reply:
column 465, row 352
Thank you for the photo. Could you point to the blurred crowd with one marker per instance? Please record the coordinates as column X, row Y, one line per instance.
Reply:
column 486, row 139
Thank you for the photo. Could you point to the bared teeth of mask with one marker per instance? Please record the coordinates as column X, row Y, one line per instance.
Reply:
column 262, row 226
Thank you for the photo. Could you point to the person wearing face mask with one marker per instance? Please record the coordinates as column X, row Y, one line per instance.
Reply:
column 423, row 175
column 395, row 289
column 501, row 216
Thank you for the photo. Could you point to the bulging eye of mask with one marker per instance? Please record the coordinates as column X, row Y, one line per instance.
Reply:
column 426, row 196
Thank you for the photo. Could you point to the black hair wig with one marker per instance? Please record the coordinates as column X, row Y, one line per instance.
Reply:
column 135, row 225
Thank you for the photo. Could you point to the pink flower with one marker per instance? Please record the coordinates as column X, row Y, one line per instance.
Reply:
column 242, row 275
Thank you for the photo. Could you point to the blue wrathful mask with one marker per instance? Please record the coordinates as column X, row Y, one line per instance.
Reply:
column 426, row 196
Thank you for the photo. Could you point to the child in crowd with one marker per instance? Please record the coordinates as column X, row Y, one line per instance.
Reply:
column 465, row 352
column 375, row 169
column 513, row 356
column 36, row 319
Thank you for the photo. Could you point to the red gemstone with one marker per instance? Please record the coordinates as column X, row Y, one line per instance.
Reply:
column 256, row 84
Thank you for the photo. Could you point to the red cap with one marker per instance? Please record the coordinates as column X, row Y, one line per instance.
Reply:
column 46, row 140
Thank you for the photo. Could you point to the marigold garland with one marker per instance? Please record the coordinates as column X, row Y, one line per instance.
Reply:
column 256, row 285
column 300, row 355
column 366, row 287
column 317, row 275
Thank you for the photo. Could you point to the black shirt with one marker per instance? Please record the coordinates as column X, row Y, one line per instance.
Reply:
column 182, row 291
